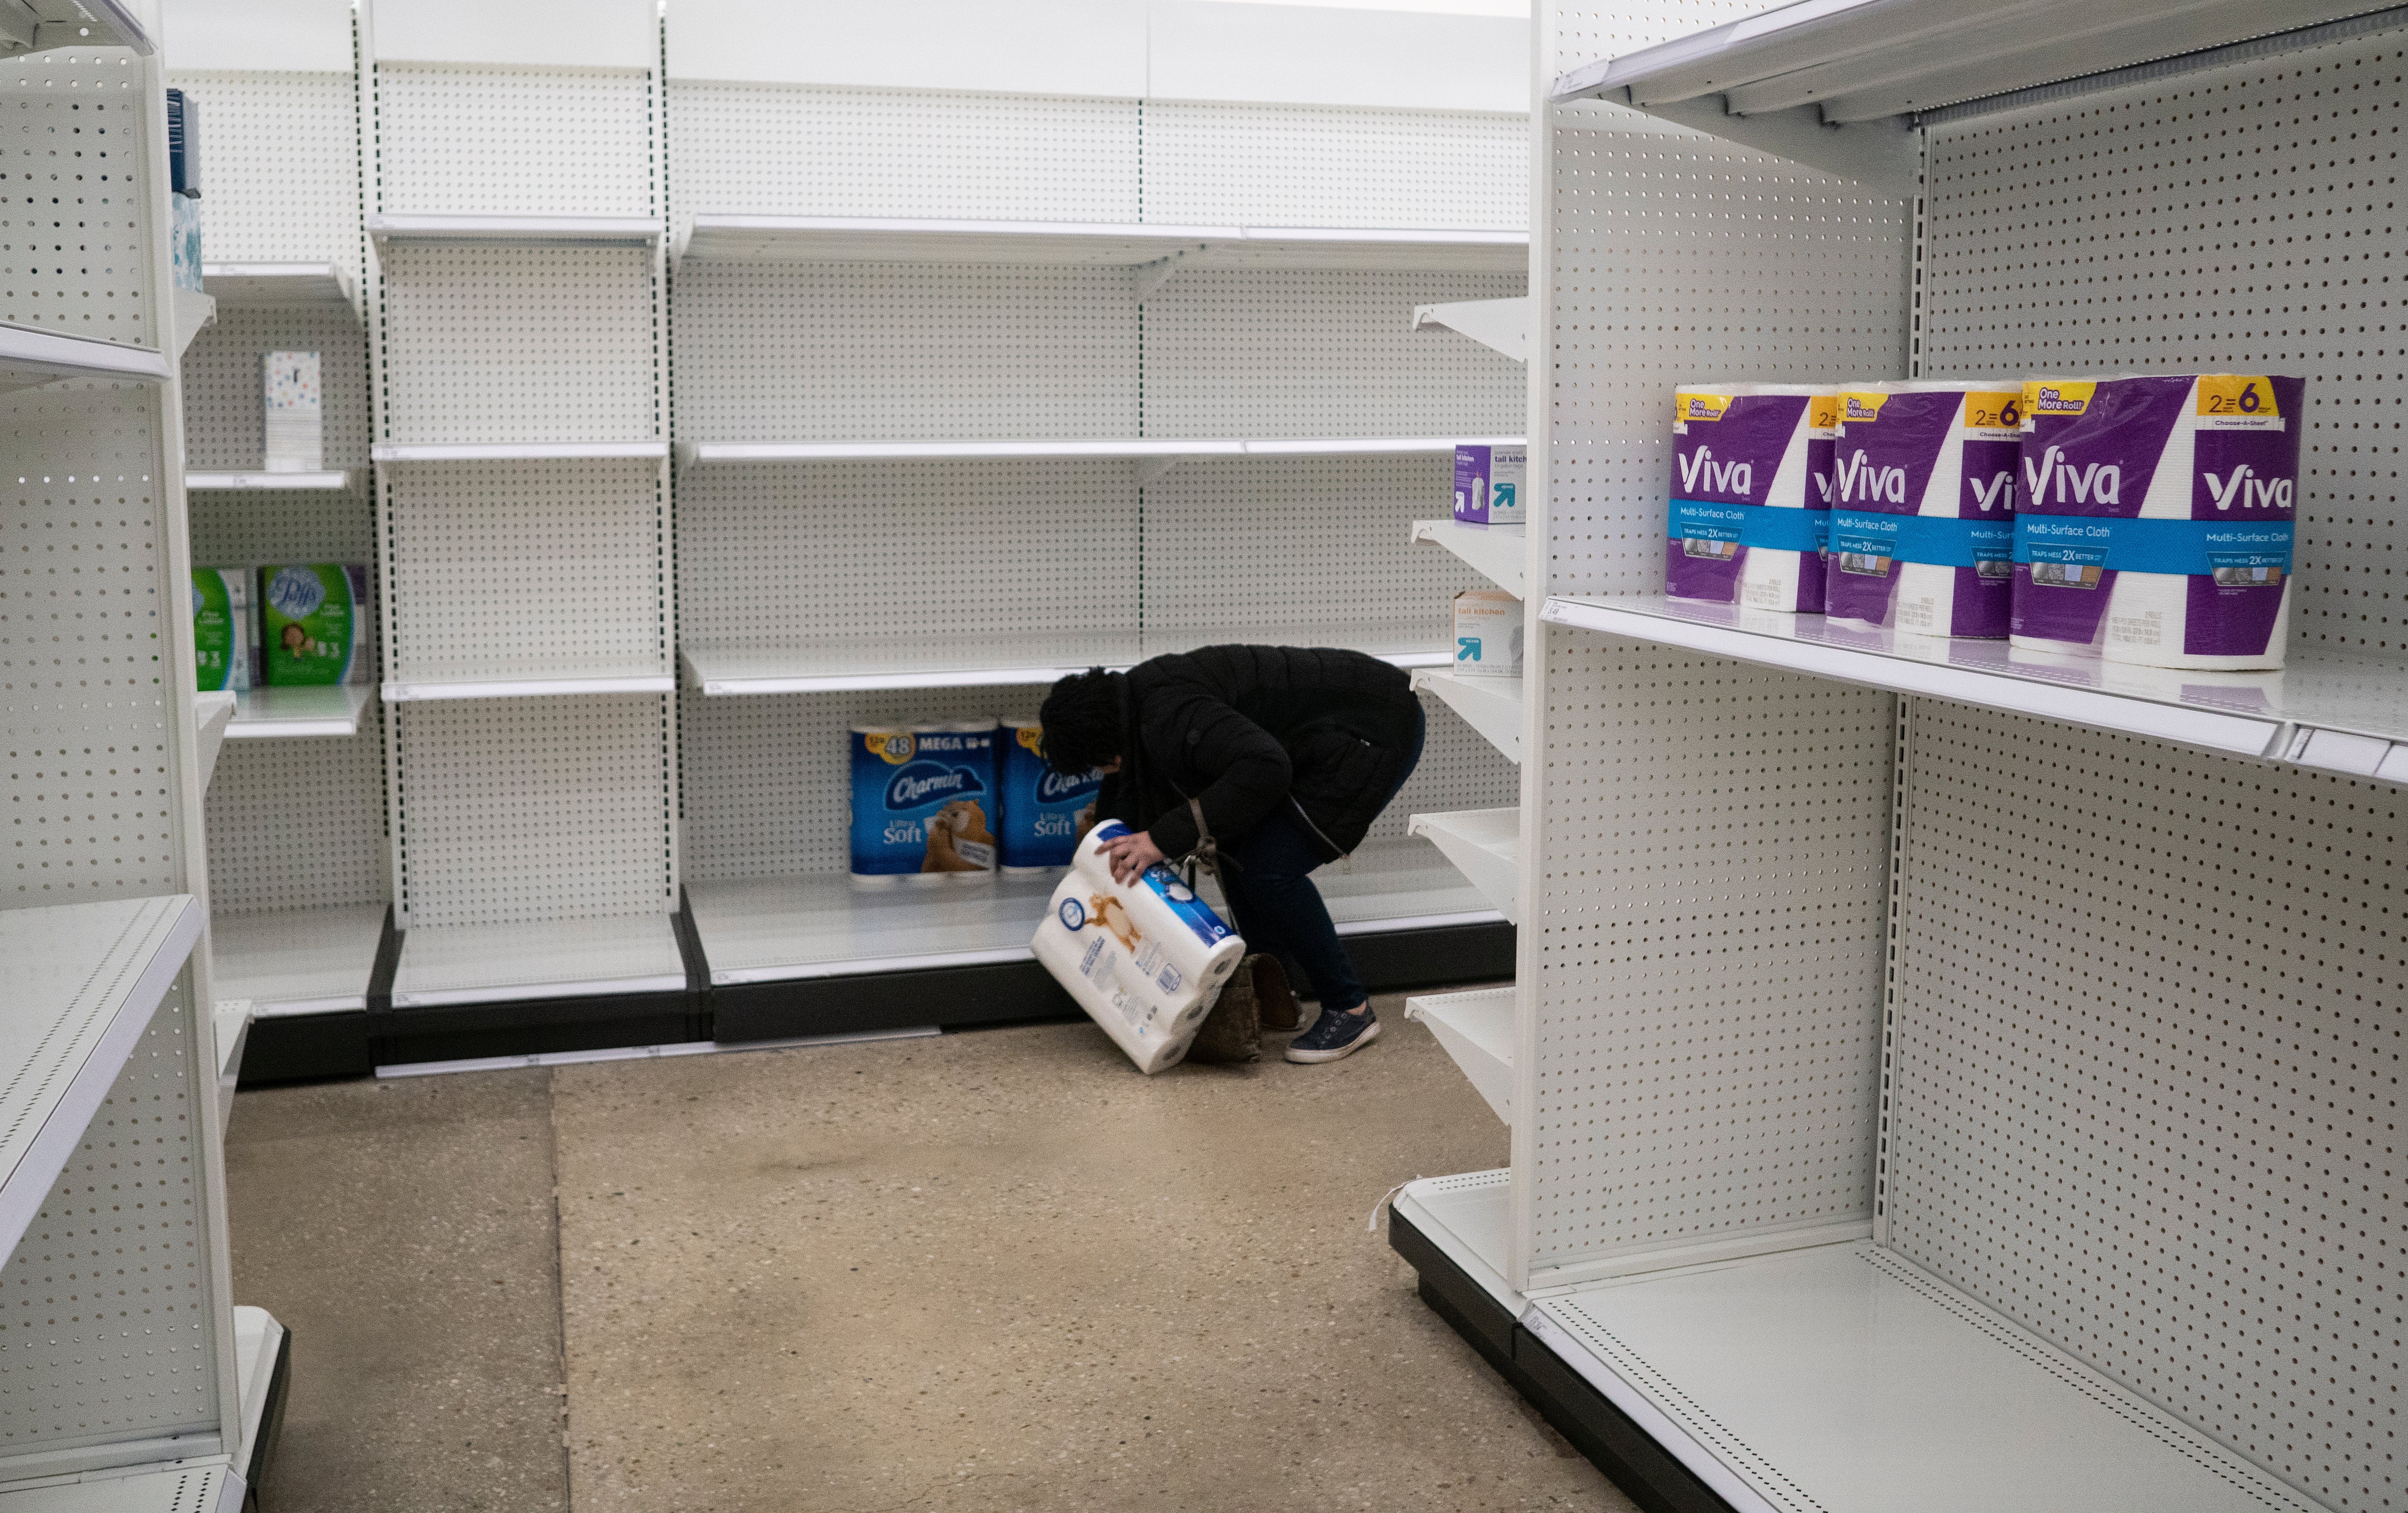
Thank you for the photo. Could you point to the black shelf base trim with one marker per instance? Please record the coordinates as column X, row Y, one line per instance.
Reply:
column 1647, row 1474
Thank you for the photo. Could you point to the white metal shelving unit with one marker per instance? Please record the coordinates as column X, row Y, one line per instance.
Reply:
column 279, row 285
column 1923, row 1054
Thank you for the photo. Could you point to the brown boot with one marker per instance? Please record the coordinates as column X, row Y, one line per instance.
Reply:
column 1233, row 1031
column 1274, row 1001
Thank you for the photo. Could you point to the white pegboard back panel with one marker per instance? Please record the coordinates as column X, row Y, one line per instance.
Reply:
column 1260, row 354
column 105, row 1324
column 2284, row 262
column 2144, row 1073
column 73, row 173
column 850, row 351
column 516, row 344
column 876, row 564
column 512, row 811
column 504, row 141
column 799, row 150
column 93, row 795
column 280, row 166
column 1222, row 164
column 298, row 824
column 224, row 428
column 1709, row 914
column 511, row 570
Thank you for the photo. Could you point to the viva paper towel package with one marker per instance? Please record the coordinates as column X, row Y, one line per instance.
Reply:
column 1488, row 484
column 221, row 627
column 2157, row 519
column 1751, row 481
column 1922, row 507
column 1043, row 811
column 317, row 625
column 923, row 803
column 1146, row 961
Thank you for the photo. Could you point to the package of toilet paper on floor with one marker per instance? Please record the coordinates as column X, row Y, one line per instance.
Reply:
column 1488, row 484
column 1751, row 479
column 1487, row 633
column 1922, row 507
column 1146, row 961
column 221, row 636
column 317, row 624
column 2157, row 518
column 1043, row 812
column 923, row 801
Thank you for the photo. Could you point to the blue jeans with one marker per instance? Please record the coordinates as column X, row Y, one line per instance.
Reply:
column 1278, row 910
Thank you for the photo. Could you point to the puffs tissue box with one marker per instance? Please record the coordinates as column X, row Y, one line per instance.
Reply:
column 1146, row 961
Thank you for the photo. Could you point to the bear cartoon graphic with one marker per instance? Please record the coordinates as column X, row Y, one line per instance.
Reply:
column 1114, row 915
column 958, row 840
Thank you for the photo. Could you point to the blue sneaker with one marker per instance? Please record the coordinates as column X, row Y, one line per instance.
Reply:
column 1334, row 1035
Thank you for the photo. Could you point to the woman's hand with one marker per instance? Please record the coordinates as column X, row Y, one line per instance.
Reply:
column 1131, row 855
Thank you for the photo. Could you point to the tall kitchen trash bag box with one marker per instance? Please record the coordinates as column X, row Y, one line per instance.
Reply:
column 1145, row 961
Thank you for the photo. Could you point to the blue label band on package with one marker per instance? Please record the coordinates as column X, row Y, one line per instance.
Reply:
column 2188, row 547
column 1775, row 529
column 1936, row 539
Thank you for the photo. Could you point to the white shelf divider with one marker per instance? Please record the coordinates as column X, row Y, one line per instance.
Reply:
column 85, row 980
column 299, row 713
column 1499, row 552
column 1842, row 1378
column 493, row 963
column 1498, row 324
column 195, row 313
column 331, row 480
column 721, row 673
column 213, row 711
column 1485, row 845
column 1477, row 1029
column 517, row 230
column 297, row 961
column 515, row 451
column 1492, row 706
column 408, row 691
column 253, row 285
column 2326, row 710
column 708, row 453
column 30, row 357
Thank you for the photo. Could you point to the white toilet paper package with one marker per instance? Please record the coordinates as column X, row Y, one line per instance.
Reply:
column 1146, row 961
column 2157, row 518
column 1923, row 503
column 1750, row 505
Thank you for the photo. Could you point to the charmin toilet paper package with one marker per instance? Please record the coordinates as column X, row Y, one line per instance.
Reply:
column 923, row 803
column 1751, row 476
column 1488, row 484
column 293, row 420
column 2157, row 518
column 1145, row 961
column 1487, row 633
column 317, row 624
column 222, row 630
column 1043, row 812
column 1923, row 502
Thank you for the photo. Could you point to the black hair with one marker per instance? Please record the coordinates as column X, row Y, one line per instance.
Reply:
column 1081, row 717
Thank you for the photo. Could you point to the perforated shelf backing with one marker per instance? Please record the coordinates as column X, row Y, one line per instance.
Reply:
column 282, row 161
column 1238, row 352
column 519, row 344
column 789, row 150
column 72, row 176
column 298, row 824
column 766, row 778
column 223, row 400
column 520, row 809
column 94, row 805
column 514, row 142
column 1002, row 563
column 2143, row 1072
column 2245, row 219
column 105, row 1304
column 1220, row 163
column 893, row 352
column 504, row 571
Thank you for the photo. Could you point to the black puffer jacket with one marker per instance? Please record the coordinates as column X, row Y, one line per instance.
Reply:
column 1246, row 729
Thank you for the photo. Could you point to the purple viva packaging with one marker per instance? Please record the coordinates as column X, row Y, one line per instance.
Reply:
column 1751, row 481
column 1922, row 507
column 2157, row 519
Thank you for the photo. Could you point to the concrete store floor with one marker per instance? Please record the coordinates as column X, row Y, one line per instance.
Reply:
column 988, row 1271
